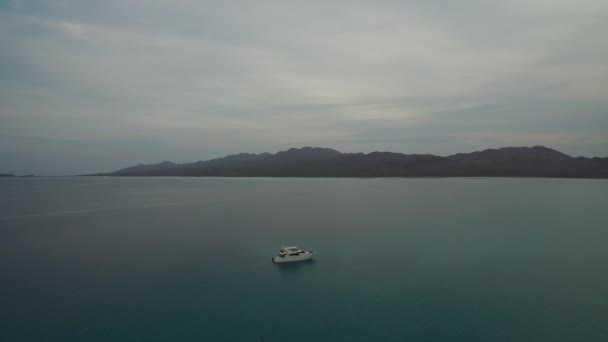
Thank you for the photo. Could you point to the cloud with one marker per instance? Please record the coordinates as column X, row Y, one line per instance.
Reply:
column 69, row 28
column 209, row 78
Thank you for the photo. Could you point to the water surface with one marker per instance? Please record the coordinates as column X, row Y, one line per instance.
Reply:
column 189, row 259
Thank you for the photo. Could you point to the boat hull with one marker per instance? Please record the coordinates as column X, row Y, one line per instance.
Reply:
column 293, row 258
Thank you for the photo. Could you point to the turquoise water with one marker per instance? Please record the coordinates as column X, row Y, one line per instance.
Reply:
column 189, row 259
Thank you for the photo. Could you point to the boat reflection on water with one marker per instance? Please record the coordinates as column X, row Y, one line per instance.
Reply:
column 292, row 269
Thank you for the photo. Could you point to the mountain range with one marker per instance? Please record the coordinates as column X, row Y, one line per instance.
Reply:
column 537, row 161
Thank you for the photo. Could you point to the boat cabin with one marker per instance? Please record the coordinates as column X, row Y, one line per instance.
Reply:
column 292, row 250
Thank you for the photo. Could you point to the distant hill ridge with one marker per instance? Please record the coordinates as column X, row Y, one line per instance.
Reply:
column 537, row 161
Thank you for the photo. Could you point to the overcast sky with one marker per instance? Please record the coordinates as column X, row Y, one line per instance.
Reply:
column 88, row 86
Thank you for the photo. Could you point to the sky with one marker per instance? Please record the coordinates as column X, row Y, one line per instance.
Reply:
column 93, row 86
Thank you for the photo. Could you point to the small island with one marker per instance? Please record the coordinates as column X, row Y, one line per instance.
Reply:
column 10, row 175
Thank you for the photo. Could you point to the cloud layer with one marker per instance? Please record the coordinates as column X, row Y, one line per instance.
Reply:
column 96, row 85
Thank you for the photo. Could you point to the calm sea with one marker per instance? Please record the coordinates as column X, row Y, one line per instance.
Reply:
column 189, row 259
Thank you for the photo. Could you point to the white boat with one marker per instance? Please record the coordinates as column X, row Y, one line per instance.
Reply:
column 292, row 253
